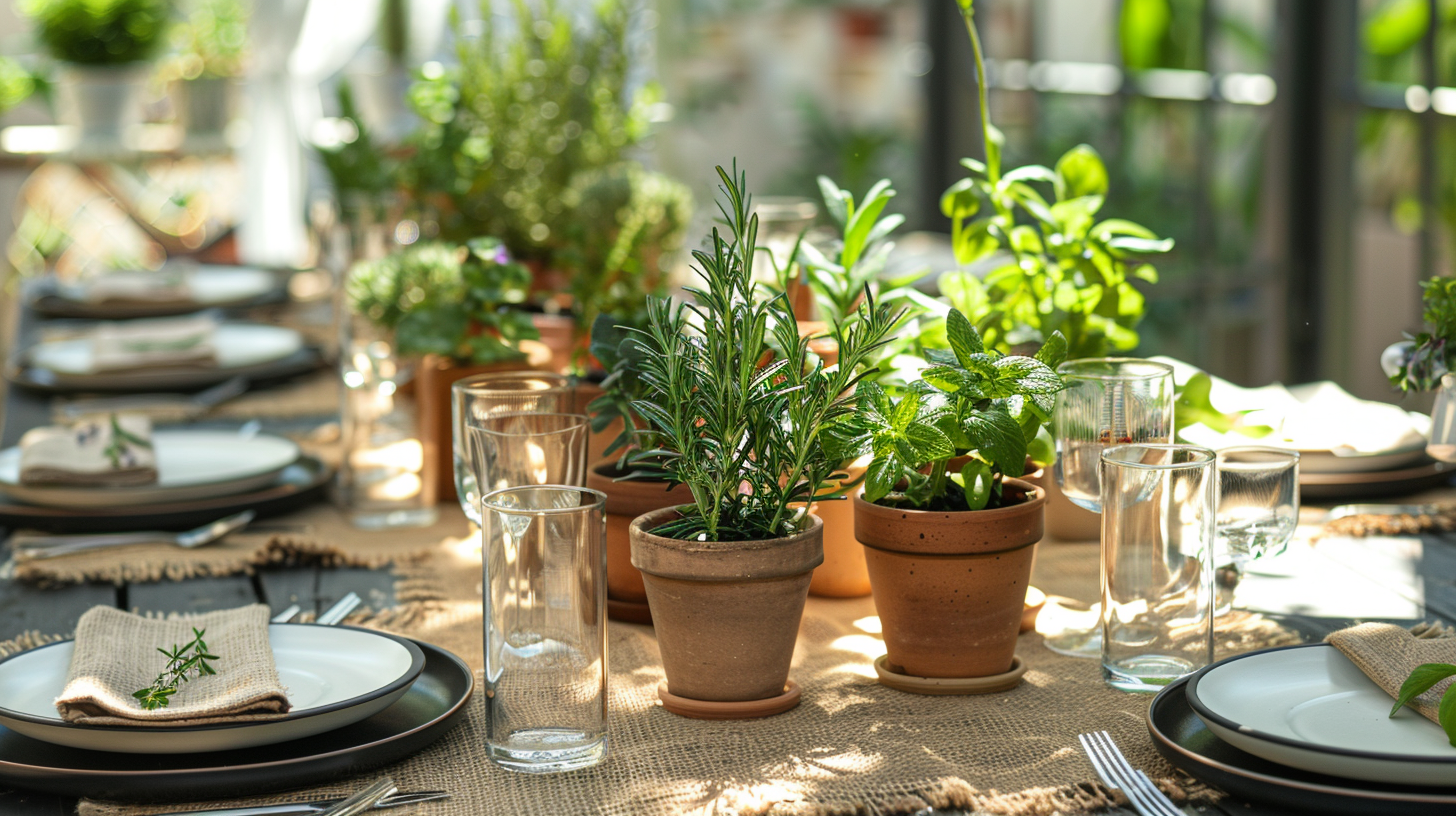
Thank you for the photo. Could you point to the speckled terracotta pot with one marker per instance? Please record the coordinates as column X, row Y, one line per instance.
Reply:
column 625, row 502
column 727, row 612
column 950, row 587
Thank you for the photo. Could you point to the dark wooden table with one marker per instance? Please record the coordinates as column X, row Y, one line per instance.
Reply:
column 1382, row 585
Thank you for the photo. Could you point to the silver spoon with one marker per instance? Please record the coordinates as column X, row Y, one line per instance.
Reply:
column 33, row 545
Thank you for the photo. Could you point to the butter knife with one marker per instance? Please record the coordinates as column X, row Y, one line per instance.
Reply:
column 319, row 806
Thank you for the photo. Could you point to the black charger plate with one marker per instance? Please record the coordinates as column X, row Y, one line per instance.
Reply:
column 1184, row 741
column 299, row 485
column 45, row 298
column 431, row 707
column 20, row 372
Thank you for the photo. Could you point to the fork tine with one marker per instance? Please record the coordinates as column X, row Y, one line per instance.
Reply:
column 1158, row 796
column 1158, row 804
column 1096, row 761
column 1121, row 779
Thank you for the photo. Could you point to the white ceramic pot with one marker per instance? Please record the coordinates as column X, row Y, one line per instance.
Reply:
column 206, row 109
column 101, row 103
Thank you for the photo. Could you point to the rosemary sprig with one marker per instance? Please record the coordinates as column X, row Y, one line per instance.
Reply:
column 181, row 667
column 116, row 449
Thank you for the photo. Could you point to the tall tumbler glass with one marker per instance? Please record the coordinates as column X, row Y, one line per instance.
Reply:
column 1159, row 504
column 1258, row 511
column 502, row 392
column 518, row 450
column 545, row 595
column 1108, row 401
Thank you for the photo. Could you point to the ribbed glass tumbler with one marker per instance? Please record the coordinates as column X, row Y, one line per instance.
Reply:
column 545, row 620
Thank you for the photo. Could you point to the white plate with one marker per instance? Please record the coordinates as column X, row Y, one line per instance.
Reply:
column 190, row 465
column 1309, row 707
column 1324, row 461
column 209, row 285
column 238, row 345
column 335, row 675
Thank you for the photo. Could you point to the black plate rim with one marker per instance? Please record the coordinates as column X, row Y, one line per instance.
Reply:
column 44, row 297
column 1167, row 744
column 18, row 371
column 1191, row 693
column 417, row 665
column 455, row 708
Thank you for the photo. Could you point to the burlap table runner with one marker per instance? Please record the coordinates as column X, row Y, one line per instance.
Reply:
column 313, row 395
column 317, row 535
column 116, row 654
column 852, row 746
column 1387, row 654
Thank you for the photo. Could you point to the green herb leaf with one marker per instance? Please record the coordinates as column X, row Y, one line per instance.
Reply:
column 976, row 480
column 930, row 444
column 1446, row 715
column 1421, row 679
column 999, row 438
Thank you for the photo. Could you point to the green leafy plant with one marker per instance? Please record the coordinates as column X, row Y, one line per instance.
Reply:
column 211, row 38
column 100, row 32
column 623, row 224
column 1054, row 265
column 16, row 83
column 535, row 100
column 184, row 663
column 1420, row 681
column 1433, row 351
column 614, row 345
column 735, row 405
column 951, row 439
column 438, row 298
column 1194, row 406
column 361, row 172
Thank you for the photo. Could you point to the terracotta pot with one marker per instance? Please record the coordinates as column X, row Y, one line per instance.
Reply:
column 843, row 573
column 1066, row 521
column 625, row 502
column 558, row 333
column 432, row 399
column 596, row 446
column 826, row 347
column 727, row 612
column 950, row 588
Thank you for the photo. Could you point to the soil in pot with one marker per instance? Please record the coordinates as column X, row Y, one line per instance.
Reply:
column 626, row 594
column 727, row 612
column 950, row 588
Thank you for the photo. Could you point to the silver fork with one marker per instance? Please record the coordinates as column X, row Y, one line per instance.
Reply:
column 46, row 546
column 1112, row 767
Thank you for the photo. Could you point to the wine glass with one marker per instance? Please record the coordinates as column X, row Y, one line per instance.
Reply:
column 1258, row 510
column 1107, row 401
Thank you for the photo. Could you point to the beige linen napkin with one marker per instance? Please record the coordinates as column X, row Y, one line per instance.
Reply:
column 1387, row 654
column 166, row 285
column 116, row 654
column 150, row 343
column 114, row 450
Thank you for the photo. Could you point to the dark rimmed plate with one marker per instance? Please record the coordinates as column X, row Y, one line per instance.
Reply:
column 1370, row 484
column 299, row 485
column 48, row 299
column 1182, row 738
column 20, row 372
column 433, row 704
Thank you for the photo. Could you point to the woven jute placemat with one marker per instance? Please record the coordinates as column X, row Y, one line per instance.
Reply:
column 851, row 747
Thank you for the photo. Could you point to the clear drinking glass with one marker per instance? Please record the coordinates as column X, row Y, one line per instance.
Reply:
column 1442, row 446
column 518, row 450
column 1159, row 504
column 507, row 392
column 1258, row 509
column 545, row 567
column 1108, row 401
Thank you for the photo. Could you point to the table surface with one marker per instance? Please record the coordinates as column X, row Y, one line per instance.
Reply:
column 1415, row 582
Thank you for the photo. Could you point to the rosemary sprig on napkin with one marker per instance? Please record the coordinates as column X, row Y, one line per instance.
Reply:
column 117, row 450
column 183, row 664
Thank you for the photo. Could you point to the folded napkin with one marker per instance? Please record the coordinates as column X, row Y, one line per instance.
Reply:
column 166, row 285
column 1387, row 654
column 149, row 343
column 116, row 654
column 114, row 450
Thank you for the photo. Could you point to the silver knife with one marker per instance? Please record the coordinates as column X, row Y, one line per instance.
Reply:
column 316, row 807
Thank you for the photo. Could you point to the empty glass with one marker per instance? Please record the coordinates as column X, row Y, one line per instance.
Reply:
column 545, row 565
column 1108, row 401
column 1159, row 503
column 1258, row 509
column 507, row 392
column 517, row 450
column 1443, row 422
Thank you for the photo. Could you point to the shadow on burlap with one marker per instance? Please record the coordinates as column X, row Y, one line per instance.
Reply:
column 851, row 747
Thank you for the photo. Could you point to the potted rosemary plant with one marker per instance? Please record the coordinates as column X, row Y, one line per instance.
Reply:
column 948, row 530
column 453, row 311
column 104, row 47
column 736, row 410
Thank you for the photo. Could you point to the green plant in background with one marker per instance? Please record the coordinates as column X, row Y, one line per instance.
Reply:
column 16, row 84
column 211, row 38
column 461, row 302
column 536, row 100
column 736, row 406
column 1062, row 269
column 972, row 403
column 622, row 223
column 360, row 171
column 100, row 32
column 614, row 345
column 1433, row 352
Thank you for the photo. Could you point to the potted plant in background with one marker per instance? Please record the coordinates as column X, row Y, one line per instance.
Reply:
column 104, row 47
column 1423, row 363
column 1051, row 264
column 212, row 43
column 456, row 310
column 948, row 531
column 736, row 408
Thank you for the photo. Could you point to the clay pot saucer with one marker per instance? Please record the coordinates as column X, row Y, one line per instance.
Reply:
column 950, row 685
column 1035, row 600
column 629, row 611
column 745, row 710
